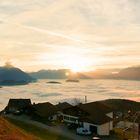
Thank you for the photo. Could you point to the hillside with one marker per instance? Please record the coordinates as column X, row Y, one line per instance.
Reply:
column 12, row 75
column 10, row 132
column 122, row 105
column 132, row 73
column 41, row 133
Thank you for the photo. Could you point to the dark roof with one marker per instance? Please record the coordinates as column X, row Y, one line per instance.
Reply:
column 44, row 109
column 95, row 108
column 64, row 105
column 19, row 103
column 97, row 119
column 97, row 112
column 93, row 112
column 75, row 111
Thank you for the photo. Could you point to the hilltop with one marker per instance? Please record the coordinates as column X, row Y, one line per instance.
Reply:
column 122, row 105
column 9, row 131
column 10, row 75
column 131, row 73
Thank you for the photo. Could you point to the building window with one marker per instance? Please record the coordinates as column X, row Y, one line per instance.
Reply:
column 66, row 118
column 73, row 119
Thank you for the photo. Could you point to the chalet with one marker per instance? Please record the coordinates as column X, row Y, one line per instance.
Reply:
column 60, row 107
column 43, row 111
column 15, row 105
column 63, row 105
column 94, row 117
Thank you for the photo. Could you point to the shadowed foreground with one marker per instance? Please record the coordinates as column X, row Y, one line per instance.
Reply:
column 11, row 132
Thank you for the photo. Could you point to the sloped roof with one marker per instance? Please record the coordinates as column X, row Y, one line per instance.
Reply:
column 93, row 112
column 75, row 111
column 97, row 119
column 95, row 108
column 19, row 103
column 64, row 105
column 45, row 109
column 97, row 112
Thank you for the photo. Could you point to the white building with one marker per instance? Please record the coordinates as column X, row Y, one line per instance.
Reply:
column 94, row 117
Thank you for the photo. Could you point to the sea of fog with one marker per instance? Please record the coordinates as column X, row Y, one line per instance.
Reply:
column 95, row 90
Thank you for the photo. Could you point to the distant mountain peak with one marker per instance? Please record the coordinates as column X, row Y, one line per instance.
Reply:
column 10, row 75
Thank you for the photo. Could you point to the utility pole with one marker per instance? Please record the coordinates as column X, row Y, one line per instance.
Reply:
column 85, row 99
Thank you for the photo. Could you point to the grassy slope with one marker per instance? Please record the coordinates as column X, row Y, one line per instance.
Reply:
column 41, row 133
column 10, row 132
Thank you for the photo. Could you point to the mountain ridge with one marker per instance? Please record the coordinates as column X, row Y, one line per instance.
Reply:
column 14, row 76
column 130, row 73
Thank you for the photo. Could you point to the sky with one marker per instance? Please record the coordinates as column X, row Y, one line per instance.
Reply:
column 81, row 35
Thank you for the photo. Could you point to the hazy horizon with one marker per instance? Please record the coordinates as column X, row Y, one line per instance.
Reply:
column 54, row 69
column 80, row 35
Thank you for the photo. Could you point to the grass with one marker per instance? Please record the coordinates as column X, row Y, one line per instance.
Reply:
column 126, row 134
column 9, row 131
column 36, row 131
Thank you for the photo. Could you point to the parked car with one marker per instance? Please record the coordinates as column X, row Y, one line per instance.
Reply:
column 83, row 131
column 18, row 112
column 96, row 138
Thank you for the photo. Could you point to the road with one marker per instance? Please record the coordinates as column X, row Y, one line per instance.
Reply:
column 59, row 129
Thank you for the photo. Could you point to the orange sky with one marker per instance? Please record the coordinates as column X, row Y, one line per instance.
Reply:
column 81, row 35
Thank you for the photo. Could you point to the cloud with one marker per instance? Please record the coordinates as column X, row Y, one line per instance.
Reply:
column 105, row 31
column 44, row 31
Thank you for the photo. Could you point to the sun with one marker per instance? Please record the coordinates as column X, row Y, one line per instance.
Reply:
column 67, row 74
column 76, row 64
column 76, row 69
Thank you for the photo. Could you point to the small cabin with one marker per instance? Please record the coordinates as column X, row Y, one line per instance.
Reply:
column 43, row 112
column 15, row 105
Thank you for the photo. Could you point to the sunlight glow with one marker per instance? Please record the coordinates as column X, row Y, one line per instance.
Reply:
column 76, row 68
column 67, row 73
column 77, row 64
column 80, row 35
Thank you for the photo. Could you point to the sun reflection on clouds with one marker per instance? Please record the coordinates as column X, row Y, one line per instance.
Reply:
column 73, row 58
column 83, row 34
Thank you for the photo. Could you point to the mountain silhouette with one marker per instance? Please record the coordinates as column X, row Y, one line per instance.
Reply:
column 131, row 73
column 10, row 75
column 58, row 74
column 50, row 74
